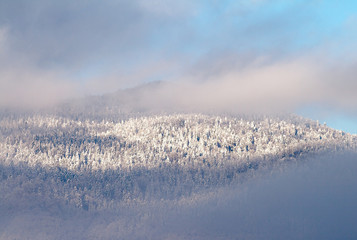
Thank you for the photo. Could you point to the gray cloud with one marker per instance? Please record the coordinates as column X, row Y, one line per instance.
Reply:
column 219, row 57
column 62, row 49
column 23, row 84
column 71, row 34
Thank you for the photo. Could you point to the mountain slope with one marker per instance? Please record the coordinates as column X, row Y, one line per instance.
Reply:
column 94, row 165
column 186, row 140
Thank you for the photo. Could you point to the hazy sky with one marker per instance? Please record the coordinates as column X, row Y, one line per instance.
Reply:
column 297, row 56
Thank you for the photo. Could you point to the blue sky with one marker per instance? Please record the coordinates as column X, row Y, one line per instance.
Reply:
column 333, row 117
column 248, row 54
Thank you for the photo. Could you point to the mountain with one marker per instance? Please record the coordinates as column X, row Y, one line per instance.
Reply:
column 122, row 104
column 91, row 163
column 135, row 164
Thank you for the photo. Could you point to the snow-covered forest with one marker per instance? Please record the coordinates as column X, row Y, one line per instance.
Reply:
column 98, row 164
column 189, row 141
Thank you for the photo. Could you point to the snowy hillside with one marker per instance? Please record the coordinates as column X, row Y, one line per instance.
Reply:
column 189, row 141
column 95, row 165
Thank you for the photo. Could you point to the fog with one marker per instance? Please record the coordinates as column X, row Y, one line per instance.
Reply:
column 246, row 56
column 312, row 199
column 260, row 88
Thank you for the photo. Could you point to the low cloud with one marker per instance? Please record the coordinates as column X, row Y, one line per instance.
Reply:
column 314, row 199
column 23, row 84
column 247, row 56
column 29, row 89
column 259, row 87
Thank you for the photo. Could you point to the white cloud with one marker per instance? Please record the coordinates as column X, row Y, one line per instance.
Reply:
column 263, row 86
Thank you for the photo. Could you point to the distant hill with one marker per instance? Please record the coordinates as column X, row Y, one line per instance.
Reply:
column 122, row 104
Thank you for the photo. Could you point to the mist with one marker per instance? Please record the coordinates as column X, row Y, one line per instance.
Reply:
column 68, row 65
column 312, row 199
column 246, row 56
column 259, row 87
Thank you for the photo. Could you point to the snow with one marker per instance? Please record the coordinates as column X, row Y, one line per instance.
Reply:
column 183, row 176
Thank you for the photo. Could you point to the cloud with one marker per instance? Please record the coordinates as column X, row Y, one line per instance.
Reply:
column 314, row 199
column 52, row 51
column 259, row 86
column 23, row 84
column 129, row 78
column 3, row 38
column 247, row 56
column 169, row 8
column 30, row 88
column 272, row 86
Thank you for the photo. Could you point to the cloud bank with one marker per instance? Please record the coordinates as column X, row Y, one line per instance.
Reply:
column 312, row 200
column 248, row 55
